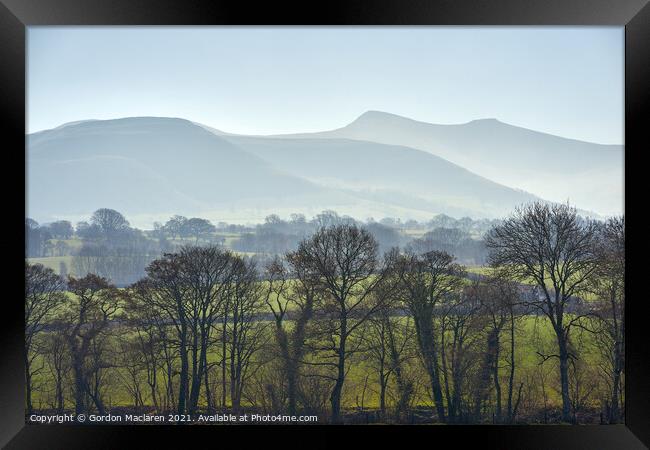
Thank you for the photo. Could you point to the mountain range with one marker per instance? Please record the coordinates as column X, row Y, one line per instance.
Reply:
column 556, row 168
column 379, row 165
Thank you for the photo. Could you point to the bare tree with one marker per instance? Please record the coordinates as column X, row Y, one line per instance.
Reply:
column 164, row 292
column 174, row 226
column 290, row 293
column 198, row 228
column 245, row 335
column 86, row 317
column 424, row 281
column 499, row 299
column 188, row 288
column 277, row 300
column 61, row 229
column 150, row 342
column 345, row 259
column 109, row 222
column 390, row 332
column 460, row 330
column 43, row 296
column 206, row 272
column 608, row 287
column 58, row 362
column 555, row 249
column 131, row 363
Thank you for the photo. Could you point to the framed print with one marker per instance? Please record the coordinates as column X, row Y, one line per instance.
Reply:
column 359, row 224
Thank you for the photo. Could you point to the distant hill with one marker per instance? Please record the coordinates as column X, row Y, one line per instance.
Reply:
column 589, row 175
column 151, row 167
column 387, row 173
column 147, row 165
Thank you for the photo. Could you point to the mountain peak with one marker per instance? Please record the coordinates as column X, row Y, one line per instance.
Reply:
column 486, row 121
column 117, row 122
column 76, row 122
column 377, row 117
column 374, row 116
column 375, row 112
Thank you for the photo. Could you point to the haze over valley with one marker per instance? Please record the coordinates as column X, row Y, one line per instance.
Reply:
column 554, row 167
column 381, row 165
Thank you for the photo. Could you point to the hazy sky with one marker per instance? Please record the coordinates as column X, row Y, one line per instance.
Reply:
column 264, row 80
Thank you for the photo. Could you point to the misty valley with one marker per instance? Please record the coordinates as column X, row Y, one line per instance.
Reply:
column 390, row 271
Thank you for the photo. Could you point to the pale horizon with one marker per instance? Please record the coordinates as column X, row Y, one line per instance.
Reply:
column 565, row 81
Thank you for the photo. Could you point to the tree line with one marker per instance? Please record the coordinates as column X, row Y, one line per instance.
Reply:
column 324, row 327
column 108, row 246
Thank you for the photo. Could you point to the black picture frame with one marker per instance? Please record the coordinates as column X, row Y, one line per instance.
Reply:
column 16, row 15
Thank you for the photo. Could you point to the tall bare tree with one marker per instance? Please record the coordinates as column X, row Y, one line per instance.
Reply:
column 551, row 246
column 151, row 341
column 608, row 286
column 461, row 327
column 87, row 316
column 499, row 299
column 43, row 296
column 164, row 292
column 58, row 361
column 244, row 333
column 291, row 293
column 188, row 287
column 425, row 280
column 388, row 346
column 206, row 272
column 345, row 259
column 276, row 298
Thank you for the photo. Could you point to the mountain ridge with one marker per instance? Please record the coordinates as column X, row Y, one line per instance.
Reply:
column 553, row 167
column 377, row 113
column 133, row 164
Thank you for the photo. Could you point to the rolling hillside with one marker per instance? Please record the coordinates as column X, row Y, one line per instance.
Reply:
column 147, row 165
column 387, row 173
column 150, row 168
column 556, row 168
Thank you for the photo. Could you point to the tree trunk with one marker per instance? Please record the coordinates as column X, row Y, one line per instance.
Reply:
column 234, row 382
column 564, row 376
column 497, row 385
column 224, row 336
column 427, row 348
column 170, row 400
column 59, row 394
column 382, row 393
column 98, row 402
column 182, row 389
column 615, row 409
column 291, row 389
column 28, row 382
column 154, row 395
column 335, row 397
column 208, row 391
column 484, row 379
column 297, row 343
column 79, row 387
column 511, row 379
column 197, row 372
column 403, row 389
column 287, row 365
column 235, row 374
column 290, row 369
column 335, row 401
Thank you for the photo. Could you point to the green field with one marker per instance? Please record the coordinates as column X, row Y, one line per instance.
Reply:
column 53, row 262
column 531, row 331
